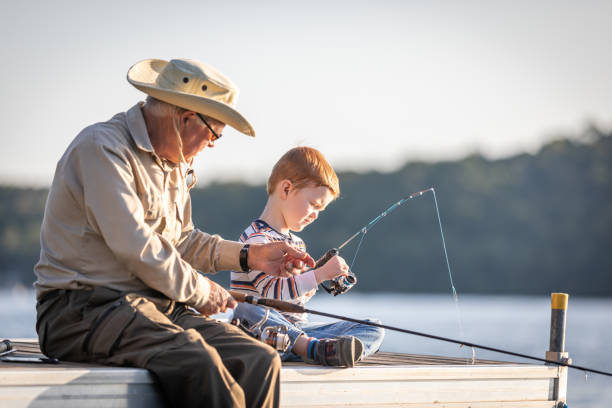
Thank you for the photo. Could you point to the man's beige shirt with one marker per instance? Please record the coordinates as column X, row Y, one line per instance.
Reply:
column 120, row 217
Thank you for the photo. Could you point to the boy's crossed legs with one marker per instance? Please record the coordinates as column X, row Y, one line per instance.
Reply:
column 338, row 343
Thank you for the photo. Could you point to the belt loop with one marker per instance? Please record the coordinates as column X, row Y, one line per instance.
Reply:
column 170, row 307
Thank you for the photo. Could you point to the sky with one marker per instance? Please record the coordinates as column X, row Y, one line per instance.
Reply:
column 370, row 84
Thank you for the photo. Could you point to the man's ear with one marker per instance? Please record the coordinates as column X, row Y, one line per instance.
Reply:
column 187, row 116
column 285, row 186
column 183, row 118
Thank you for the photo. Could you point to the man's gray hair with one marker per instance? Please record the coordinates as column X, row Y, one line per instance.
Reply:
column 161, row 109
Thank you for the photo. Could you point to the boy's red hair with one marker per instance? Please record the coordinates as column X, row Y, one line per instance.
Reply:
column 302, row 166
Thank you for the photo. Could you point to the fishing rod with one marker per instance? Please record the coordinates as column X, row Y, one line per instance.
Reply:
column 293, row 308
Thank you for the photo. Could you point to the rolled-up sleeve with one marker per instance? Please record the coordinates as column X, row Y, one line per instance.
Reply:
column 209, row 253
column 114, row 210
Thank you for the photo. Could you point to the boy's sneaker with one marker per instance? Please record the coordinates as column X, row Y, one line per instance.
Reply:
column 342, row 351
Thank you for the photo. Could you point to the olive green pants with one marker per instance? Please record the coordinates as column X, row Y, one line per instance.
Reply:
column 198, row 361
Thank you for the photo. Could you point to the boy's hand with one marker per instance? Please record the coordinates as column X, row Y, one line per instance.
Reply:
column 278, row 259
column 219, row 300
column 336, row 266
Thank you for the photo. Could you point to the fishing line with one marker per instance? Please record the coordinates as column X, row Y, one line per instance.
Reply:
column 294, row 308
column 450, row 276
column 357, row 250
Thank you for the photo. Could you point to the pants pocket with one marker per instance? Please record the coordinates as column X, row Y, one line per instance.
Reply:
column 105, row 335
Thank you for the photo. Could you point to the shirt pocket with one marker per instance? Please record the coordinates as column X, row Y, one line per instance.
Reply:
column 152, row 205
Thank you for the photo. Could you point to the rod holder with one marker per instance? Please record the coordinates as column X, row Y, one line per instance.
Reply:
column 558, row 309
column 556, row 349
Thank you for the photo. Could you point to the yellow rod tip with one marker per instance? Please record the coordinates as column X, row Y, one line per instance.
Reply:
column 559, row 301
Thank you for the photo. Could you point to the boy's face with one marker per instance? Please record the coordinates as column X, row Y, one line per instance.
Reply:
column 303, row 205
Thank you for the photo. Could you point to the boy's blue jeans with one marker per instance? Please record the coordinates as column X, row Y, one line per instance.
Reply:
column 370, row 336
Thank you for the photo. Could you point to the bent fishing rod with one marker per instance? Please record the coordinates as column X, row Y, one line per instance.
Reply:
column 380, row 216
column 343, row 283
column 293, row 308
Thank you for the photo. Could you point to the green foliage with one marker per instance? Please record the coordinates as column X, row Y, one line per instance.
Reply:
column 21, row 212
column 529, row 224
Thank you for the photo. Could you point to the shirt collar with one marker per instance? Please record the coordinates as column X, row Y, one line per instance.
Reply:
column 138, row 128
column 264, row 224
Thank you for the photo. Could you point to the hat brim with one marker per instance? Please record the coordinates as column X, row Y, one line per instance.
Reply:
column 143, row 75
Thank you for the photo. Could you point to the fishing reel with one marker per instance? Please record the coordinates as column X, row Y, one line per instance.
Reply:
column 340, row 284
column 275, row 336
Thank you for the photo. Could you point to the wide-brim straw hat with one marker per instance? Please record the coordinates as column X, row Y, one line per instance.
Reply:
column 191, row 85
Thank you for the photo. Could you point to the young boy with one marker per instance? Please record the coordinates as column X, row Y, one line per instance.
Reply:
column 301, row 185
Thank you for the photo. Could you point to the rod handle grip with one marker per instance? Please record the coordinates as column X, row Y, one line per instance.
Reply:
column 238, row 296
column 273, row 303
column 323, row 260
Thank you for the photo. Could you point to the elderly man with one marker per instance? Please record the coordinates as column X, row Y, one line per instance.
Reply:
column 118, row 279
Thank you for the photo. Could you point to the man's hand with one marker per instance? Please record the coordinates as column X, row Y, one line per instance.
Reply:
column 278, row 259
column 219, row 301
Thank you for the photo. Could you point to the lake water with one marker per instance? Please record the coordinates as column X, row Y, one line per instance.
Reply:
column 516, row 323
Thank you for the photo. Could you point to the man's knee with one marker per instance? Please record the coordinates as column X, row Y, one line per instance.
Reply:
column 267, row 358
column 273, row 359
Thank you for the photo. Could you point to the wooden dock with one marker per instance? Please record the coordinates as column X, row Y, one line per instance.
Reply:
column 383, row 380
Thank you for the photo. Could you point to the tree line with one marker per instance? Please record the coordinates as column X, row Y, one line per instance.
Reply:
column 527, row 224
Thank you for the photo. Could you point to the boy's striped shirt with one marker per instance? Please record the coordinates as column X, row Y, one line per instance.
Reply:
column 295, row 289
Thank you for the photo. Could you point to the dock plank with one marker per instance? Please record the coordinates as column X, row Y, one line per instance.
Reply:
column 382, row 380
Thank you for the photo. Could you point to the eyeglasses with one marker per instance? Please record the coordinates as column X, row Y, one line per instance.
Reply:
column 215, row 135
